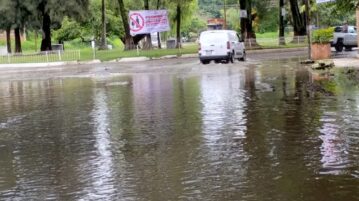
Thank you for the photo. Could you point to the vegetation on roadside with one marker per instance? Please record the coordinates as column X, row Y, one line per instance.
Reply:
column 323, row 36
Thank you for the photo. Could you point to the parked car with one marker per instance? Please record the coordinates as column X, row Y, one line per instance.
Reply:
column 346, row 40
column 221, row 46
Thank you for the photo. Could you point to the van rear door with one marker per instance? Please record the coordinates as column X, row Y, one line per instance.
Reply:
column 214, row 43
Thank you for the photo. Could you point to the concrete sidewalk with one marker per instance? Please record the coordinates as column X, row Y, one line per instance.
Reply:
column 351, row 60
column 346, row 62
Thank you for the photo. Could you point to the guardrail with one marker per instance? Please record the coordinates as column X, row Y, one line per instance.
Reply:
column 41, row 57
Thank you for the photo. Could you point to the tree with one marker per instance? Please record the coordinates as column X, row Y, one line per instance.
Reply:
column 178, row 24
column 210, row 7
column 148, row 42
column 247, row 31
column 158, row 33
column 281, row 23
column 348, row 5
column 103, row 45
column 298, row 19
column 91, row 28
column 128, row 39
column 15, row 14
column 52, row 12
column 6, row 19
column 183, row 10
column 8, row 39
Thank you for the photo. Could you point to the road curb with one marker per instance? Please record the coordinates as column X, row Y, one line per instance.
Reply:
column 132, row 59
column 50, row 64
column 33, row 65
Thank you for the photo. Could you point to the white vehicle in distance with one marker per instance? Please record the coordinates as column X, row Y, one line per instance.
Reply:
column 221, row 46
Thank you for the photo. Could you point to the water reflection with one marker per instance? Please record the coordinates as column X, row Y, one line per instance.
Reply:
column 100, row 167
column 228, row 133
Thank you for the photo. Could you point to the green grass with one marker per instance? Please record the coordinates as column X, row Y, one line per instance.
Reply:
column 87, row 54
column 272, row 35
column 107, row 55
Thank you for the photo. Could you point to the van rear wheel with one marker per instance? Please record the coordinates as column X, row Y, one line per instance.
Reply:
column 230, row 59
column 339, row 46
column 348, row 48
column 244, row 57
column 205, row 62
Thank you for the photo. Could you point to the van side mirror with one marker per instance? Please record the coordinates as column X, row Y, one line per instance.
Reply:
column 241, row 40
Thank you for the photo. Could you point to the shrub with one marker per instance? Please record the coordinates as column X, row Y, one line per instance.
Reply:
column 323, row 35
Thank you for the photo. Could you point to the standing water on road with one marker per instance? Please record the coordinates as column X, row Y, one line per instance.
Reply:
column 224, row 132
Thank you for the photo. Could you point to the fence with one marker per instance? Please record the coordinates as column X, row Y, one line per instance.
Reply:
column 41, row 57
column 293, row 41
column 87, row 53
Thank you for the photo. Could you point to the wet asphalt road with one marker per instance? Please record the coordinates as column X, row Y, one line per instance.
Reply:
column 154, row 66
column 177, row 130
column 157, row 66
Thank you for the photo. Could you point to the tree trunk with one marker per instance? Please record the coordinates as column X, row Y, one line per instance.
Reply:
column 103, row 45
column 17, row 40
column 225, row 14
column 158, row 33
column 247, row 31
column 307, row 22
column 281, row 23
column 8, row 39
column 178, row 31
column 46, row 28
column 36, row 35
column 148, row 42
column 243, row 5
column 299, row 25
column 357, row 19
column 128, row 39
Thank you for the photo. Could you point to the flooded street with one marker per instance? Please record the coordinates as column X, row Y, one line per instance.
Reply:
column 177, row 130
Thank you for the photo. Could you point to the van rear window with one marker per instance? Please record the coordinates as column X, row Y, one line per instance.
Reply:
column 213, row 37
column 338, row 29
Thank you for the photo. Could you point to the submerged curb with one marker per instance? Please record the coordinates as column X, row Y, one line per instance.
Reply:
column 132, row 59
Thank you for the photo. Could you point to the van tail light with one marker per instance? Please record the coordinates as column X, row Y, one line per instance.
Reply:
column 199, row 47
column 228, row 45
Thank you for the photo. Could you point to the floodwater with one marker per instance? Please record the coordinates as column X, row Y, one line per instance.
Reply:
column 217, row 132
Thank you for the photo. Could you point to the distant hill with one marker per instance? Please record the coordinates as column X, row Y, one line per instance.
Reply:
column 210, row 8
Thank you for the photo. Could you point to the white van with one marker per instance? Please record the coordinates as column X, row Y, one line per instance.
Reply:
column 220, row 46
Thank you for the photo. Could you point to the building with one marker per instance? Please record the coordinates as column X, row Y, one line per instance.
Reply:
column 215, row 24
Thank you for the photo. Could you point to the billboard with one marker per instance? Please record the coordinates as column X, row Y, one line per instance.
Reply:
column 148, row 21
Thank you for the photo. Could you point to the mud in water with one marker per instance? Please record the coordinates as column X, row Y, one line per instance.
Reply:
column 253, row 131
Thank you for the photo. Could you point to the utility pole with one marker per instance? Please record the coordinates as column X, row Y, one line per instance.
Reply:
column 307, row 16
column 225, row 14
